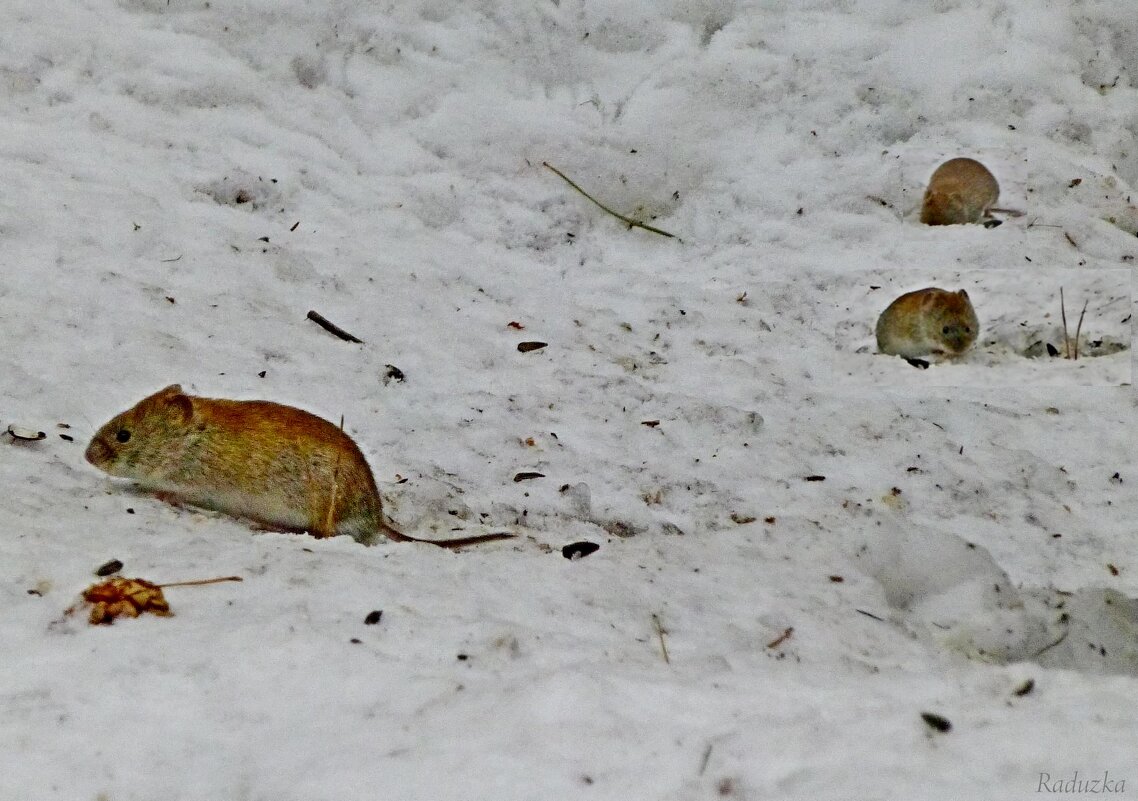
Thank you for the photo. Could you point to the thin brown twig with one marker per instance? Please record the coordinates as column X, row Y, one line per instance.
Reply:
column 627, row 220
column 1079, row 328
column 706, row 758
column 780, row 639
column 200, row 582
column 331, row 327
column 660, row 632
column 1063, row 312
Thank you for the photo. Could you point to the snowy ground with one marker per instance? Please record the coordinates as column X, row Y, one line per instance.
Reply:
column 185, row 180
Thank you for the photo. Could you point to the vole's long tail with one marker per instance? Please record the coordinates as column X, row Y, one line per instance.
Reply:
column 461, row 542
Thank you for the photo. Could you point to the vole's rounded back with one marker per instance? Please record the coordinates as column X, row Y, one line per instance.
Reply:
column 961, row 190
column 277, row 465
column 928, row 321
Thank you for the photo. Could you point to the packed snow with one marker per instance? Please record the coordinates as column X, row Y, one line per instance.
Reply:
column 812, row 556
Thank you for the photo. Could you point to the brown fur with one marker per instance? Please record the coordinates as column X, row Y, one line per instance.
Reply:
column 277, row 465
column 960, row 191
column 928, row 321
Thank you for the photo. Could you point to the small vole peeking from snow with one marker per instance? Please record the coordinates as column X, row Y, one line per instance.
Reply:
column 960, row 191
column 279, row 466
column 928, row 321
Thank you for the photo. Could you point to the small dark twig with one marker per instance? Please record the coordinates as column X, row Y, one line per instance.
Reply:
column 660, row 632
column 1066, row 339
column 780, row 639
column 627, row 220
column 1079, row 328
column 706, row 758
column 331, row 327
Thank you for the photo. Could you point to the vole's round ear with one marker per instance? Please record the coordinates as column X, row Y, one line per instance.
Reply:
column 178, row 402
column 963, row 294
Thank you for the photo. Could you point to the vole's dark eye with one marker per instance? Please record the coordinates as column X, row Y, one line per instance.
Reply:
column 943, row 331
column 123, row 435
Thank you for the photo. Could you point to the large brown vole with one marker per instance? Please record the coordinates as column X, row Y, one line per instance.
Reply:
column 277, row 465
column 928, row 321
column 960, row 191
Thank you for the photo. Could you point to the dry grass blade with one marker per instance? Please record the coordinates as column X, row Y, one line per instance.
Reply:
column 628, row 220
column 200, row 582
column 1079, row 327
column 660, row 632
column 1063, row 313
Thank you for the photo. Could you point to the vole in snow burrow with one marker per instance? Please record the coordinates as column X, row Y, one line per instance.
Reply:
column 928, row 321
column 276, row 465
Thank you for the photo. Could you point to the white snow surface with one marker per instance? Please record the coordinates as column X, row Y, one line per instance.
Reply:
column 185, row 180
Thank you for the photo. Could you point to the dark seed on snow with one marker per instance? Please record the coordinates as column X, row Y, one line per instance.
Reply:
column 109, row 568
column 936, row 722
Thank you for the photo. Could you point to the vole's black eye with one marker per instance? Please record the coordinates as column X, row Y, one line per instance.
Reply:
column 123, row 435
column 943, row 331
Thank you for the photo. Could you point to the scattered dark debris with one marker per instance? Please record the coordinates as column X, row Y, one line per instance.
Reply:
column 67, row 437
column 295, row 225
column 373, row 617
column 526, row 347
column 837, row 579
column 462, row 657
column 1074, row 182
column 1025, row 688
column 814, row 478
column 1116, row 478
column 514, row 324
column 770, row 520
column 1113, row 570
column 869, row 614
column 526, row 475
column 650, row 423
column 920, row 364
column 393, row 373
column 742, row 520
column 620, row 529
